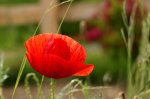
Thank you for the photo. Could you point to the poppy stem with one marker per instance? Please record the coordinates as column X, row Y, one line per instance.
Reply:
column 52, row 89
column 40, row 88
column 86, row 89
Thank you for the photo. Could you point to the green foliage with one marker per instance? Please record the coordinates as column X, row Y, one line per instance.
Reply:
column 110, row 63
column 12, row 37
column 12, row 44
column 139, row 72
column 73, row 29
column 140, row 84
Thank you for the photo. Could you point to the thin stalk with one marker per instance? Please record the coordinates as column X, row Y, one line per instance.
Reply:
column 19, row 75
column 40, row 88
column 124, row 37
column 74, row 84
column 129, row 59
column 85, row 88
column 64, row 16
column 124, row 16
column 128, row 43
column 70, row 93
column 27, row 84
column 52, row 89
column 129, row 50
column 89, row 88
column 46, row 12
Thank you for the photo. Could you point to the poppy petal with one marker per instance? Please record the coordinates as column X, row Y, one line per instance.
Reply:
column 53, row 47
column 85, row 71
column 56, row 67
column 49, row 65
column 37, row 43
column 76, row 50
column 61, row 68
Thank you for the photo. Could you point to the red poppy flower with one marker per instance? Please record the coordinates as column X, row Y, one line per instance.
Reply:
column 57, row 56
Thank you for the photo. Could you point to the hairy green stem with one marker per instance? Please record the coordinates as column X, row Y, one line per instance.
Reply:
column 52, row 89
column 86, row 90
column 40, row 88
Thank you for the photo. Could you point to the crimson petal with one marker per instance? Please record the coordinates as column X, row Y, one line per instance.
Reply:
column 76, row 50
column 57, row 56
column 57, row 47
column 56, row 67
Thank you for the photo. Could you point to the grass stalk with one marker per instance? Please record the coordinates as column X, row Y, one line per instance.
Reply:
column 27, row 86
column 64, row 16
column 129, row 26
column 40, row 88
column 70, row 93
column 19, row 75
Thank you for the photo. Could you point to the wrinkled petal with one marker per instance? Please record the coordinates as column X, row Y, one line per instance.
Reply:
column 56, row 67
column 76, row 50
column 57, row 47
column 37, row 43
column 85, row 71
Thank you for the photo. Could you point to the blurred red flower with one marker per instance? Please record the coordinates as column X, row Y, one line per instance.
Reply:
column 57, row 56
column 129, row 6
column 93, row 34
